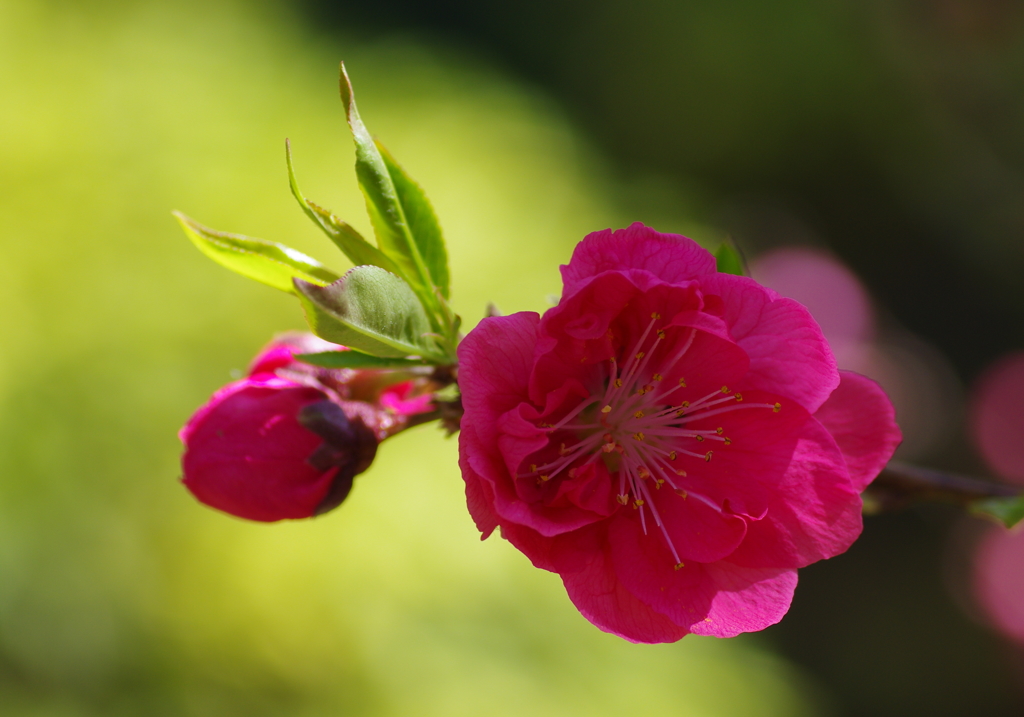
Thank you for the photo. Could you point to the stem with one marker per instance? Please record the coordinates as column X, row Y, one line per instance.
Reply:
column 900, row 484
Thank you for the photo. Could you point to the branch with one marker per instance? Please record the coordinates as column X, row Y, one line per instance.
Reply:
column 901, row 484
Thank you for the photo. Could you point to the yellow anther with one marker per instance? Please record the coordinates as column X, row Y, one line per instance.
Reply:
column 707, row 456
column 608, row 447
column 738, row 396
column 661, row 334
column 776, row 408
column 641, row 391
column 681, row 474
column 717, row 430
column 562, row 450
column 700, row 439
column 655, row 316
column 725, row 389
column 613, row 359
column 638, row 414
column 678, row 566
column 658, row 482
column 638, row 502
column 639, row 436
column 681, row 493
column 533, row 467
column 672, row 455
column 728, row 441
column 618, row 383
column 622, row 499
column 658, row 377
column 640, row 355
column 643, row 472
column 682, row 382
column 684, row 404
column 607, row 409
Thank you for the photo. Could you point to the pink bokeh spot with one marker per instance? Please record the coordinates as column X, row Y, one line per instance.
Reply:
column 997, row 418
column 999, row 580
column 655, row 439
column 831, row 292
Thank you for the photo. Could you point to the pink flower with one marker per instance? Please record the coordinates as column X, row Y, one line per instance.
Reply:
column 288, row 440
column 674, row 442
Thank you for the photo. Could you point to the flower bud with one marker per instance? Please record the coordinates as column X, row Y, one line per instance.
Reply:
column 288, row 440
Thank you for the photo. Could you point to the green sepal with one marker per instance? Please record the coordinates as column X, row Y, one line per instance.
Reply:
column 268, row 262
column 1007, row 511
column 352, row 244
column 390, row 224
column 356, row 359
column 729, row 258
column 422, row 222
column 370, row 310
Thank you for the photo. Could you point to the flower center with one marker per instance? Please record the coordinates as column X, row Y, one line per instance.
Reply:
column 635, row 423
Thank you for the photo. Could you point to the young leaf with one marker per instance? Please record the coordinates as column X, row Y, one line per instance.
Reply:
column 730, row 259
column 1008, row 511
column 273, row 264
column 394, row 236
column 356, row 359
column 352, row 244
column 426, row 231
column 369, row 310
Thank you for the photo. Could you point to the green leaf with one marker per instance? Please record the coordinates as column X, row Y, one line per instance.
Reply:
column 730, row 259
column 394, row 236
column 1008, row 511
column 426, row 231
column 273, row 264
column 356, row 359
column 369, row 310
column 352, row 244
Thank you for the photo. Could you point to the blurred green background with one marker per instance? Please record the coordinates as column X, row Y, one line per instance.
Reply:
column 886, row 132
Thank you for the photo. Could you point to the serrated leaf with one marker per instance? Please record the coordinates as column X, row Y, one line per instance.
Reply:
column 1008, row 511
column 394, row 236
column 352, row 244
column 356, row 359
column 422, row 222
column 730, row 259
column 268, row 262
column 369, row 310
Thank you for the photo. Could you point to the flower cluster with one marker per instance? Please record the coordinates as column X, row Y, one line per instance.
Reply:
column 673, row 441
column 287, row 440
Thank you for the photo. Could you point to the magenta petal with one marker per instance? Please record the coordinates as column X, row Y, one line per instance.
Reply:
column 648, row 571
column 745, row 599
column 479, row 492
column 788, row 353
column 862, row 421
column 582, row 561
column 698, row 531
column 813, row 511
column 671, row 257
column 495, row 360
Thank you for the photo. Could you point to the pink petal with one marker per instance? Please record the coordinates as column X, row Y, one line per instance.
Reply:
column 495, row 360
column 862, row 421
column 788, row 353
column 813, row 513
column 745, row 599
column 479, row 492
column 699, row 532
column 671, row 257
column 582, row 561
